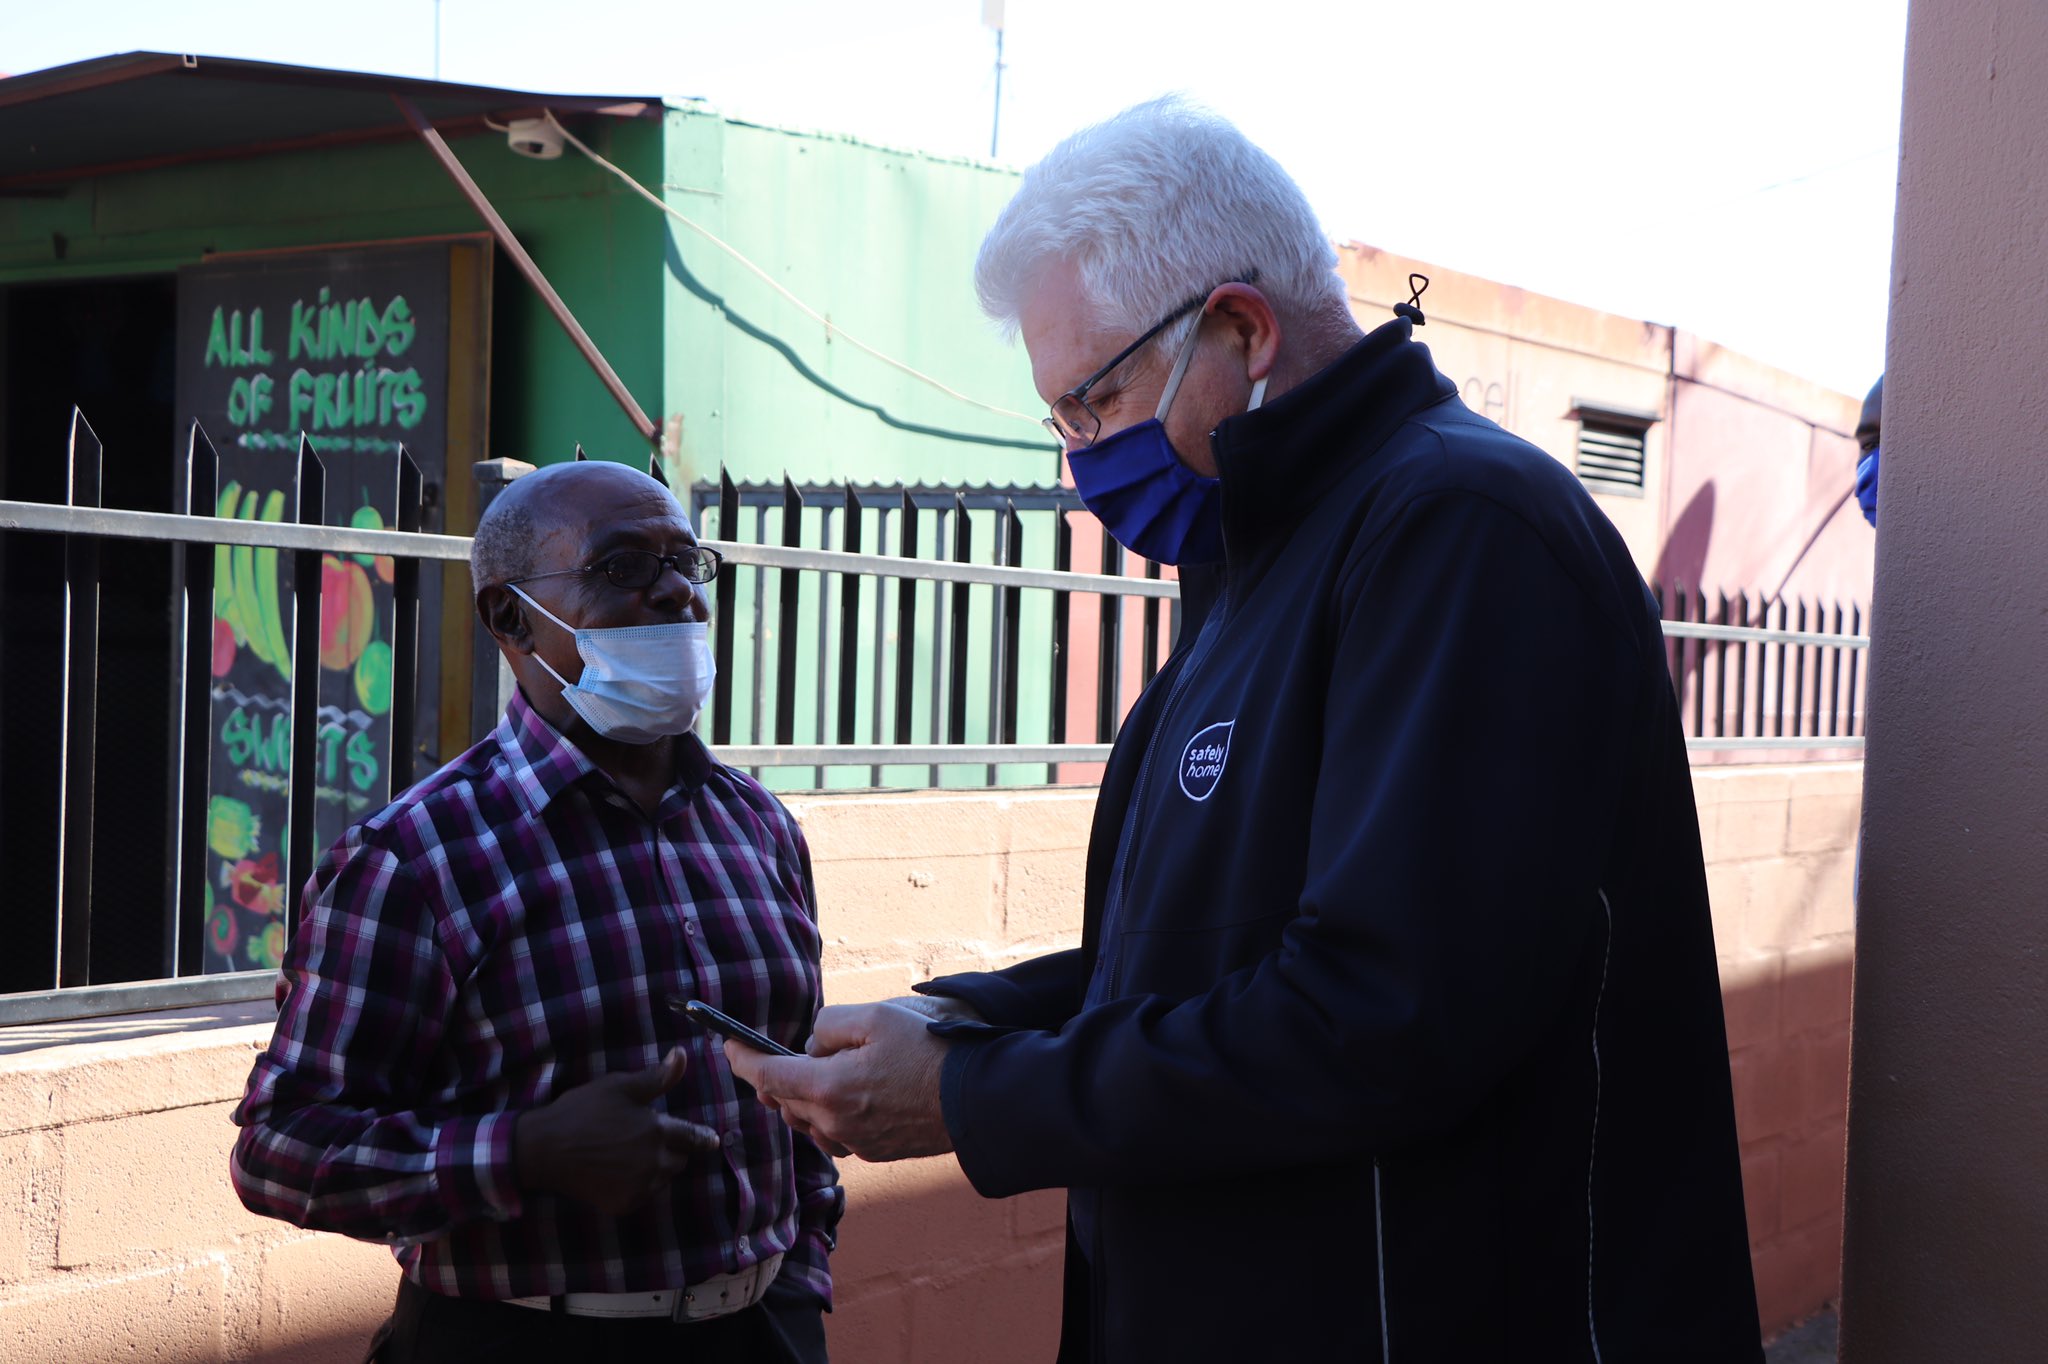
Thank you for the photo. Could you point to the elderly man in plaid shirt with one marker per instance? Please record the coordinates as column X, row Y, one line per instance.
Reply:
column 476, row 1059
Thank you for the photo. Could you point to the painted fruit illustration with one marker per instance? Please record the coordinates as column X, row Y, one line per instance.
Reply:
column 267, row 948
column 245, row 587
column 223, row 647
column 347, row 611
column 231, row 828
column 221, row 931
column 367, row 517
column 373, row 677
column 253, row 884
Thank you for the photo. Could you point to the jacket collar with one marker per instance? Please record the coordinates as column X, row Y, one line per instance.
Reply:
column 1277, row 461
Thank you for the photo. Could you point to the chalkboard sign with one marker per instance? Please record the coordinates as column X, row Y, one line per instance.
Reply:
column 363, row 349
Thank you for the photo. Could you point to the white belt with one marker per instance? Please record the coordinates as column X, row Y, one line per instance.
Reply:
column 717, row 1296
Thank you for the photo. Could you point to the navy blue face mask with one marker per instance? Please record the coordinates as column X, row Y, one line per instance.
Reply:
column 1138, row 488
column 1866, row 484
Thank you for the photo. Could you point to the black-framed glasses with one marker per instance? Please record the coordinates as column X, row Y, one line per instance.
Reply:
column 1073, row 422
column 635, row 570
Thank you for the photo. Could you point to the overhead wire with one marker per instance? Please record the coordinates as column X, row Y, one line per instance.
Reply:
column 832, row 329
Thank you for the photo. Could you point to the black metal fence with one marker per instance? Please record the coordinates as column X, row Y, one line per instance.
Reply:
column 849, row 666
column 865, row 635
column 54, row 938
column 1754, row 672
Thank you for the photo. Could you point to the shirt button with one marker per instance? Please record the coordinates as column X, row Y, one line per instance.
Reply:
column 690, row 927
column 744, row 1248
column 731, row 1139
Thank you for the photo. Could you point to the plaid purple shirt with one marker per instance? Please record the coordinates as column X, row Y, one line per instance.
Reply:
column 509, row 928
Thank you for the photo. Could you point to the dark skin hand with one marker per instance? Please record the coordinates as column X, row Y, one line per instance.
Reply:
column 604, row 1144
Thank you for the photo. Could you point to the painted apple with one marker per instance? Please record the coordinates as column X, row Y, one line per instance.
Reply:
column 347, row 612
column 223, row 647
column 367, row 517
column 373, row 677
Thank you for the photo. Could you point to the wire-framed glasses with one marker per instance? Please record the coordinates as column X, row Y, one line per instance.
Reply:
column 635, row 570
column 1073, row 422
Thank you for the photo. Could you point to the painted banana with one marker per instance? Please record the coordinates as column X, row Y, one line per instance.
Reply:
column 223, row 567
column 265, row 563
column 247, row 606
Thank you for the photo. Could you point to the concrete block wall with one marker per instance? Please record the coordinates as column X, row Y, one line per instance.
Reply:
column 121, row 1239
column 1781, row 855
column 913, row 885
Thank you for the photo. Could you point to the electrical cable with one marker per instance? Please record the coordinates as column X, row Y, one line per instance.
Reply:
column 831, row 328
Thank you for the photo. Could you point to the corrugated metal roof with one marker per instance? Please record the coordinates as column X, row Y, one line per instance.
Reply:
column 144, row 109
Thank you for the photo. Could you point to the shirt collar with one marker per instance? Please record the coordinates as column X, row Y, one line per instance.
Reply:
column 545, row 762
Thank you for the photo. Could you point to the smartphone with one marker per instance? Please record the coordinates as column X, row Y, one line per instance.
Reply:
column 705, row 1016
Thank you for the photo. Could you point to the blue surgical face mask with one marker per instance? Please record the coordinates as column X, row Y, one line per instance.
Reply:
column 1138, row 488
column 1866, row 484
column 640, row 683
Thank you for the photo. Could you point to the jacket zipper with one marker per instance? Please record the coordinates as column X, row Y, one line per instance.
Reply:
column 1593, row 1142
column 1379, row 1243
column 1110, row 953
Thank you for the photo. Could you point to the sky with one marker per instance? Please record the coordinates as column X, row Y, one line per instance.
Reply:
column 1728, row 168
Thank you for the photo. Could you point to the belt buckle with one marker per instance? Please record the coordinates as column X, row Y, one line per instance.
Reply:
column 732, row 1292
column 726, row 1288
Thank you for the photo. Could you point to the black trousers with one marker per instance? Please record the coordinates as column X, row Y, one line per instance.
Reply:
column 786, row 1327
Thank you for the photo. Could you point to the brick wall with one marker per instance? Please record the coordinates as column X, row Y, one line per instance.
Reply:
column 121, row 1239
column 1780, row 844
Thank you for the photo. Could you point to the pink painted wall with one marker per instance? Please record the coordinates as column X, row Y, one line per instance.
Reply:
column 1760, row 461
column 1745, row 462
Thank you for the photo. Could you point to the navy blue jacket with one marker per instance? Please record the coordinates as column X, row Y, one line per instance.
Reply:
column 1410, row 1044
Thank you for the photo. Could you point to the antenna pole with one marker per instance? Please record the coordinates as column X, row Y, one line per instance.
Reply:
column 996, row 123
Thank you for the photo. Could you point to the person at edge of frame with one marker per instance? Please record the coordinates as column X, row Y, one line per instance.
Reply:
column 1395, row 1030
column 475, row 1057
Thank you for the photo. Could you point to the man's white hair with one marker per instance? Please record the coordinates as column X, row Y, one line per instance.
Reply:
column 1155, row 207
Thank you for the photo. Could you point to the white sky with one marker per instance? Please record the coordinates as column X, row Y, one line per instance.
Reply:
column 1727, row 167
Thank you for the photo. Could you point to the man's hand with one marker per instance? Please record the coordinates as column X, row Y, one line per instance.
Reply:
column 603, row 1142
column 938, row 1008
column 870, row 1087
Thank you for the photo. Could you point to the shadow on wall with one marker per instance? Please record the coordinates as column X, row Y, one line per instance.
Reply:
column 926, row 1269
column 1788, row 1040
column 1685, row 549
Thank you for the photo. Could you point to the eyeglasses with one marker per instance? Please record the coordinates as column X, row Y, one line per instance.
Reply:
column 635, row 570
column 1073, row 422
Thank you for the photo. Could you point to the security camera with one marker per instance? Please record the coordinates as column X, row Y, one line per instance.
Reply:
column 534, row 137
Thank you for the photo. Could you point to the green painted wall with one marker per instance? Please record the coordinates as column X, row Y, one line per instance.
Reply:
column 602, row 254
column 879, row 240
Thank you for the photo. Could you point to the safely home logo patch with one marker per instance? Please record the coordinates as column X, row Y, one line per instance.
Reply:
column 1201, row 765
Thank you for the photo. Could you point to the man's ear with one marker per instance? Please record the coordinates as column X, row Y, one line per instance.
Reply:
column 1254, row 326
column 504, row 615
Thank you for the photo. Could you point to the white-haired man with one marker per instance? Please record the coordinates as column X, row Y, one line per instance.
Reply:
column 1395, row 1031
